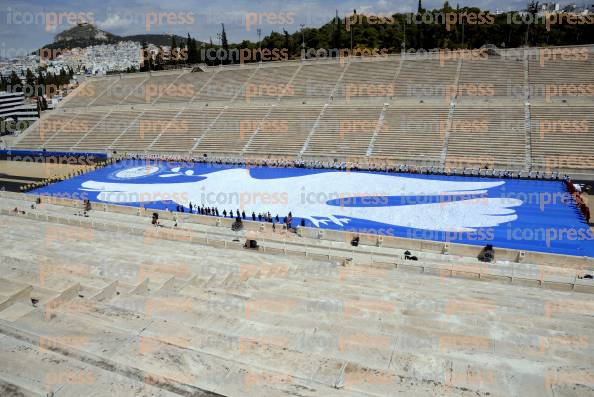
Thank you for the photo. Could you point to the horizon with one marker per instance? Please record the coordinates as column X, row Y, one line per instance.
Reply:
column 30, row 25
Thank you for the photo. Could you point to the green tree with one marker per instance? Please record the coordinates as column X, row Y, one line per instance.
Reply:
column 391, row 36
column 41, row 85
column 192, row 51
column 287, row 43
column 160, row 59
column 147, row 58
column 336, row 33
column 29, row 79
column 532, row 9
column 224, row 42
column 63, row 79
column 15, row 83
column 173, row 53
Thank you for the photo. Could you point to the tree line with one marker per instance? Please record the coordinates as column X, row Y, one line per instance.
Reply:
column 35, row 83
column 41, row 84
column 402, row 33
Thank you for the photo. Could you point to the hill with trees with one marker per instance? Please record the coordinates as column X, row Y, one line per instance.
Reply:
column 84, row 35
column 398, row 32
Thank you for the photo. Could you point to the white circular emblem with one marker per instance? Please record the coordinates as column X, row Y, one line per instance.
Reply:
column 137, row 172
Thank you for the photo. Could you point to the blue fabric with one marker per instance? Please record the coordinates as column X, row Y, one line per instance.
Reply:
column 547, row 221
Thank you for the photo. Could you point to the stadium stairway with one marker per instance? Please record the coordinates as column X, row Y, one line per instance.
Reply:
column 188, row 319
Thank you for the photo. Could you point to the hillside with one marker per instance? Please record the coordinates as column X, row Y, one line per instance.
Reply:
column 85, row 35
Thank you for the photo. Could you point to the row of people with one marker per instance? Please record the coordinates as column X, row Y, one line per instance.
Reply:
column 386, row 166
column 237, row 215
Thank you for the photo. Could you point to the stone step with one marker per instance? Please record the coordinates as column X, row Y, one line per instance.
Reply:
column 353, row 346
column 111, row 347
column 35, row 370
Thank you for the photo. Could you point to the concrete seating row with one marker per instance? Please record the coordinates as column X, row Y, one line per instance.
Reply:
column 118, row 305
column 493, row 136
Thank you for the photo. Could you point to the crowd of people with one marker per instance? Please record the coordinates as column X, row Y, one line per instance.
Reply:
column 239, row 215
column 386, row 166
column 577, row 197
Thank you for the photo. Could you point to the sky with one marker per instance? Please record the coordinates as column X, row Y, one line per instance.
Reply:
column 27, row 25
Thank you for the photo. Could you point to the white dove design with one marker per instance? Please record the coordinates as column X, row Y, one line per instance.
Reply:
column 307, row 196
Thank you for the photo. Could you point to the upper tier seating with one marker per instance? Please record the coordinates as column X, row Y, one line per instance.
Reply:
column 268, row 84
column 225, row 85
column 284, row 132
column 277, row 109
column 369, row 79
column 316, row 80
column 562, row 76
column 427, row 78
column 89, row 91
column 130, row 89
column 343, row 132
column 232, row 130
column 493, row 76
column 106, row 132
column 185, row 129
column 494, row 136
column 412, row 132
column 562, row 136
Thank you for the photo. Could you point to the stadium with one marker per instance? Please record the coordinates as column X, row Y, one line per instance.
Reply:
column 397, row 224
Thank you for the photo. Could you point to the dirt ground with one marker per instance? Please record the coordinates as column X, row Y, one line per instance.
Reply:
column 36, row 170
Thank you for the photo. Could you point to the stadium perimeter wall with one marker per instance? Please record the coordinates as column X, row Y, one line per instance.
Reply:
column 450, row 248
